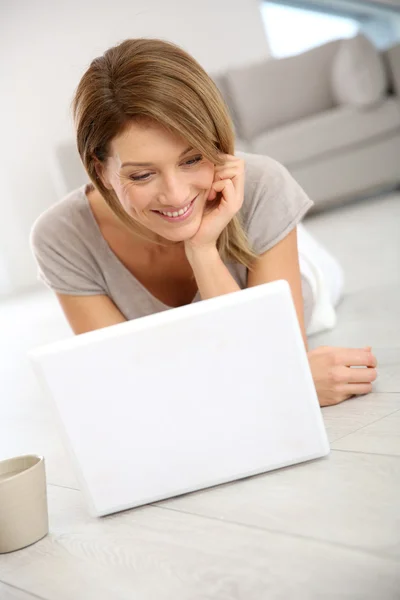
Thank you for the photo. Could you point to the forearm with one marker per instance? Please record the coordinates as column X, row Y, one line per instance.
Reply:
column 212, row 276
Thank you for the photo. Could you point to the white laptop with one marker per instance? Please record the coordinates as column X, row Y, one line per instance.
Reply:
column 185, row 399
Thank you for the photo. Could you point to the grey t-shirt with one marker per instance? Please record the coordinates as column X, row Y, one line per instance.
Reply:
column 74, row 258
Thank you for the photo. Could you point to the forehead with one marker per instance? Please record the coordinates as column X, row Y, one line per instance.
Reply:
column 147, row 142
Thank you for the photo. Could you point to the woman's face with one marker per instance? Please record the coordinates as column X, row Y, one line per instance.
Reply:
column 160, row 181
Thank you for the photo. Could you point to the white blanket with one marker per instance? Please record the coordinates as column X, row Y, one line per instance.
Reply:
column 326, row 279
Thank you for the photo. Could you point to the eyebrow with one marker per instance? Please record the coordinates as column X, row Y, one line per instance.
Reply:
column 147, row 164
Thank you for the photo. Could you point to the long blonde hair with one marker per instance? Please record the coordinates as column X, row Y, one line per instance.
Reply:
column 153, row 79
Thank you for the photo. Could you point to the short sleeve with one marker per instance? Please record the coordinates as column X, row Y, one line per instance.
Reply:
column 65, row 263
column 274, row 202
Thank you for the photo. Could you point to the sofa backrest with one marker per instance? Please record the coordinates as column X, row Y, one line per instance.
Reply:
column 391, row 58
column 268, row 94
column 222, row 84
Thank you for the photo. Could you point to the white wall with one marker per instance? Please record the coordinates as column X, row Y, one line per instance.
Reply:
column 45, row 48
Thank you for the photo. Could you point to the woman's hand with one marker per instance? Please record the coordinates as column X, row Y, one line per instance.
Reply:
column 334, row 378
column 229, row 180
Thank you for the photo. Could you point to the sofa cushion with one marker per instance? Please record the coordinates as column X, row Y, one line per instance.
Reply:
column 278, row 91
column 336, row 130
column 358, row 75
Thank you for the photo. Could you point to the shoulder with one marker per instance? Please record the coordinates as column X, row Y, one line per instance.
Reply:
column 269, row 182
column 273, row 203
column 257, row 166
column 63, row 224
column 264, row 174
column 65, row 245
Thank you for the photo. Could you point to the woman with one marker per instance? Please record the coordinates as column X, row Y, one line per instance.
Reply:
column 172, row 215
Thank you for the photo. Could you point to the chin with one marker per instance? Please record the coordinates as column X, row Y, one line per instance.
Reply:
column 180, row 234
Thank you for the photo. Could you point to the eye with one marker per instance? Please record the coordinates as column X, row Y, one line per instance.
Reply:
column 143, row 177
column 193, row 161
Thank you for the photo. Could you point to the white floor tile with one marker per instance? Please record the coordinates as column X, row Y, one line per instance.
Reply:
column 364, row 237
column 25, row 436
column 380, row 437
column 347, row 498
column 154, row 553
column 356, row 413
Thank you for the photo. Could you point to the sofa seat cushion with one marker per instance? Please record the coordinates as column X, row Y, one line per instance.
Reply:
column 332, row 131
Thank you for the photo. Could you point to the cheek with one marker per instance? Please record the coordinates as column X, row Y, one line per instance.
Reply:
column 209, row 174
column 205, row 177
column 133, row 199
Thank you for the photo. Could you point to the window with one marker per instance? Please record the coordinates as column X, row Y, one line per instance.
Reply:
column 294, row 26
column 293, row 30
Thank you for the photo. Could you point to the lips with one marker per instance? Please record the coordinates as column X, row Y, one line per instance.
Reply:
column 177, row 215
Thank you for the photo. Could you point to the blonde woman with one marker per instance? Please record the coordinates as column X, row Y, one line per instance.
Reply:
column 172, row 215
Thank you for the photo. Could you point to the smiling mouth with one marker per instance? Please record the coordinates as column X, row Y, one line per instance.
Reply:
column 177, row 215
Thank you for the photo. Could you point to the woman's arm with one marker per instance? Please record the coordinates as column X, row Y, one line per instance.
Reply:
column 332, row 369
column 282, row 262
column 212, row 276
column 87, row 313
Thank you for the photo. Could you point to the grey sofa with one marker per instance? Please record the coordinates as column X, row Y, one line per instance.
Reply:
column 331, row 115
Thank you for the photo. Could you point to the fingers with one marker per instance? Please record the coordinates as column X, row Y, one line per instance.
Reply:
column 355, row 389
column 229, row 158
column 226, row 174
column 229, row 194
column 355, row 357
column 361, row 375
column 348, row 382
column 228, row 179
column 236, row 166
column 227, row 184
column 212, row 194
column 230, row 168
column 234, row 171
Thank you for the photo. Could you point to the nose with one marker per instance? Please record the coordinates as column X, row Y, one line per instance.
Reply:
column 175, row 192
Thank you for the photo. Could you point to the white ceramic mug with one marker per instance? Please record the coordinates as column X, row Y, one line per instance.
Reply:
column 23, row 502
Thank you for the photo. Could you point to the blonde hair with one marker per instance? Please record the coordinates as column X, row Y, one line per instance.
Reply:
column 153, row 79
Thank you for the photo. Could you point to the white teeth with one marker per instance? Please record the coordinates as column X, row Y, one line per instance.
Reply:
column 182, row 211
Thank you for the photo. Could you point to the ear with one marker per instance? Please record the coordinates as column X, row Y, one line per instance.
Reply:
column 101, row 173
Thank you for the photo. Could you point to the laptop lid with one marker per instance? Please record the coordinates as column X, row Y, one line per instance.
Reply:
column 185, row 399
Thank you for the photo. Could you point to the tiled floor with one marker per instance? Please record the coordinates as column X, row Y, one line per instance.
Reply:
column 329, row 528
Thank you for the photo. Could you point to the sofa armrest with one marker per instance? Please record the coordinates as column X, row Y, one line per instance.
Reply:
column 392, row 59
